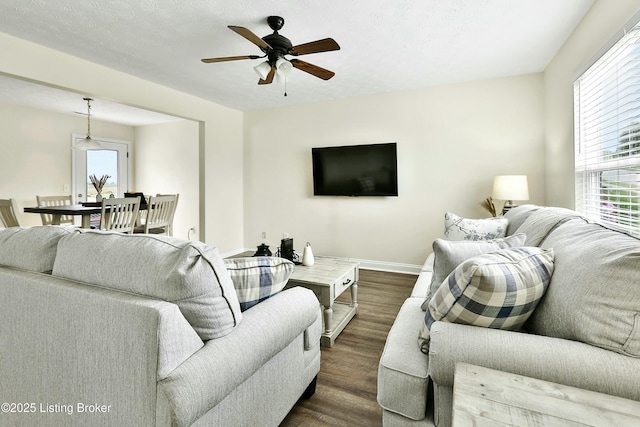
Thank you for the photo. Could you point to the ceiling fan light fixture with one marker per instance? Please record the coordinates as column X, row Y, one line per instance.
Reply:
column 283, row 66
column 88, row 143
column 263, row 69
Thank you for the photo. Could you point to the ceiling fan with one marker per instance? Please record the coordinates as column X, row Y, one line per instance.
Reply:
column 275, row 47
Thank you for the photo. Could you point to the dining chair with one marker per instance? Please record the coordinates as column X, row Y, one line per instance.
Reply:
column 47, row 219
column 9, row 213
column 160, row 210
column 119, row 214
column 173, row 211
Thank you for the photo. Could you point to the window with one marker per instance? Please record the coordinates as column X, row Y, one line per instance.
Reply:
column 607, row 136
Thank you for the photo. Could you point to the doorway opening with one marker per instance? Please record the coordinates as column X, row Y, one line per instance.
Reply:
column 111, row 160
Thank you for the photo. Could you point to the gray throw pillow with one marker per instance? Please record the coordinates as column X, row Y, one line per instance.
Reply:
column 449, row 254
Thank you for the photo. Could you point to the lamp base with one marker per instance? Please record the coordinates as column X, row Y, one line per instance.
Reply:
column 507, row 207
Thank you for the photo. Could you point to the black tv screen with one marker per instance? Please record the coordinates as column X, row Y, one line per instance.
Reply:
column 355, row 170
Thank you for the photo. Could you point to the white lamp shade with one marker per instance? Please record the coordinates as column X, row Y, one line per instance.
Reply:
column 283, row 66
column 263, row 69
column 87, row 144
column 510, row 187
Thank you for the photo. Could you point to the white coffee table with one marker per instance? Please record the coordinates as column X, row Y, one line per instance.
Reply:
column 328, row 278
column 486, row 397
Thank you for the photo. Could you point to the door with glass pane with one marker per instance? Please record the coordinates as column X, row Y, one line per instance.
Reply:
column 111, row 161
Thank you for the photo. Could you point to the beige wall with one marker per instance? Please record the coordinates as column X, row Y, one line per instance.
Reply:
column 604, row 19
column 35, row 152
column 220, row 179
column 166, row 161
column 452, row 141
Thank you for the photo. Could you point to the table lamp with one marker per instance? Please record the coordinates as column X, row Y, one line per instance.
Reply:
column 510, row 188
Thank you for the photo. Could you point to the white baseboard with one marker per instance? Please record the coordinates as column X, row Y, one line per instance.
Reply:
column 391, row 267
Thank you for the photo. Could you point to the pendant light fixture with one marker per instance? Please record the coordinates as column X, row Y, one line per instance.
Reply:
column 88, row 143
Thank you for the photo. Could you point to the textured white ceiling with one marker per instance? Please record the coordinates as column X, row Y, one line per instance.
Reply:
column 386, row 46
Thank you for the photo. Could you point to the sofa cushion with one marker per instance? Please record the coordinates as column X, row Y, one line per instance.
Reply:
column 498, row 290
column 30, row 248
column 541, row 222
column 458, row 228
column 190, row 274
column 450, row 254
column 517, row 216
column 258, row 278
column 403, row 371
column 594, row 295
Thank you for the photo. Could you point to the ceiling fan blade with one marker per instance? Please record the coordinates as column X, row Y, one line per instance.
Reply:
column 229, row 58
column 269, row 78
column 247, row 34
column 324, row 45
column 312, row 69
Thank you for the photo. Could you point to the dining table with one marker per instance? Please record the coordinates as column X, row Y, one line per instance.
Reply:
column 85, row 210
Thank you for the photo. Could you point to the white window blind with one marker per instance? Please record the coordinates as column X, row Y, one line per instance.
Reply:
column 607, row 137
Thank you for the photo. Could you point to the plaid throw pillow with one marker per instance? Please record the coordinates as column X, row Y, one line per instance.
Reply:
column 448, row 254
column 497, row 290
column 258, row 278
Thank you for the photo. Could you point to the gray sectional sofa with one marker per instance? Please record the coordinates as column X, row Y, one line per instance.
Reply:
column 584, row 332
column 106, row 329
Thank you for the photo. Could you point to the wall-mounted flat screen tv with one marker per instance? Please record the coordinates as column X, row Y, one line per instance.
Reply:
column 355, row 170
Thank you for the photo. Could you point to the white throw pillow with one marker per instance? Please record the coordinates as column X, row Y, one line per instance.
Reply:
column 458, row 228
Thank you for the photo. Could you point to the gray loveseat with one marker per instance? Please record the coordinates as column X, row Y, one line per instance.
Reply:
column 105, row 329
column 585, row 332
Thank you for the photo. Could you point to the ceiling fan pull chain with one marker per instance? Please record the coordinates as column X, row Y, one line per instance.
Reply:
column 285, row 85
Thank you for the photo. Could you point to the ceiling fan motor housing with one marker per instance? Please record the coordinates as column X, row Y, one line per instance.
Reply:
column 280, row 46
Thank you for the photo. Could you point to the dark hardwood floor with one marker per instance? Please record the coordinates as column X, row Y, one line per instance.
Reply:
column 347, row 382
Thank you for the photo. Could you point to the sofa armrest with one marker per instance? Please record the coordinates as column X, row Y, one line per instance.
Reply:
column 70, row 342
column 551, row 359
column 428, row 264
column 210, row 374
